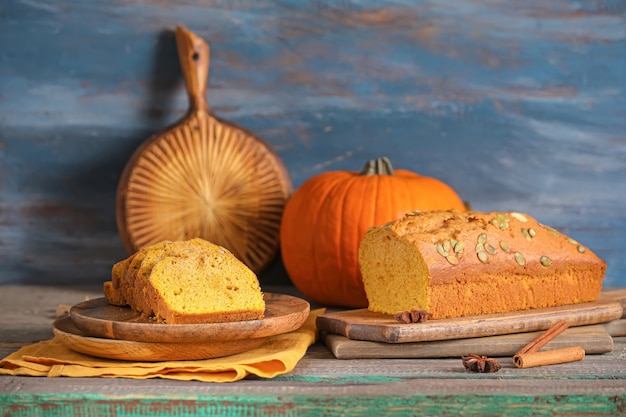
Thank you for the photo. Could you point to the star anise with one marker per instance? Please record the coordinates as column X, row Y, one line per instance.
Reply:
column 480, row 363
column 413, row 316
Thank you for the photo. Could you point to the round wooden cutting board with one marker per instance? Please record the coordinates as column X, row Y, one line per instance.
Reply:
column 65, row 330
column 204, row 177
column 283, row 313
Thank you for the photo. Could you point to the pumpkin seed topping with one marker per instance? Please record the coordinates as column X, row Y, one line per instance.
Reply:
column 526, row 234
column 441, row 250
column 452, row 259
column 545, row 261
column 519, row 258
column 480, row 247
column 483, row 257
column 579, row 247
column 482, row 238
column 458, row 248
column 519, row 216
column 447, row 246
column 490, row 249
column 504, row 246
column 453, row 243
column 501, row 221
column 532, row 232
column 552, row 231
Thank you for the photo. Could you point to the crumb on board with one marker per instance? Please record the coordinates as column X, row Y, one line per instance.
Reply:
column 64, row 309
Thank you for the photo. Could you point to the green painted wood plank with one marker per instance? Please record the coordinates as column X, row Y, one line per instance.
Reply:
column 414, row 405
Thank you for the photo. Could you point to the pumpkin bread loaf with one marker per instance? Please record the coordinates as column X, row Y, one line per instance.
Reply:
column 184, row 282
column 455, row 264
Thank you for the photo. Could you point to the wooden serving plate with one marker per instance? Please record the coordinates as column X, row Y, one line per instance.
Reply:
column 362, row 324
column 65, row 330
column 283, row 313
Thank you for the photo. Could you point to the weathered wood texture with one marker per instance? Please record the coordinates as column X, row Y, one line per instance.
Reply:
column 319, row 385
column 517, row 105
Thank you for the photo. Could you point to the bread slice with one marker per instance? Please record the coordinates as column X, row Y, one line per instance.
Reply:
column 169, row 281
column 203, row 286
column 119, row 291
column 151, row 257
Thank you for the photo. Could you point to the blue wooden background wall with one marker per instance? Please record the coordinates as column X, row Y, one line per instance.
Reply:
column 518, row 105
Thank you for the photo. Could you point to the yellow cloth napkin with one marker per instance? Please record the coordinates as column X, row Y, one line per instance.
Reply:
column 277, row 356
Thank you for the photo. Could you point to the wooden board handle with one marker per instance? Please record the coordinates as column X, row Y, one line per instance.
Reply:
column 193, row 53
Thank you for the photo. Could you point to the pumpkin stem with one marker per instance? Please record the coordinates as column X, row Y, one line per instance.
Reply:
column 379, row 166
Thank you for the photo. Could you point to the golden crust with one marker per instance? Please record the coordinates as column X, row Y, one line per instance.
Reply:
column 469, row 263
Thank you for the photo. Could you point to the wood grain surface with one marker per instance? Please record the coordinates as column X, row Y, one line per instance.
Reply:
column 98, row 318
column 320, row 384
column 65, row 330
column 362, row 324
column 517, row 105
column 593, row 339
column 203, row 177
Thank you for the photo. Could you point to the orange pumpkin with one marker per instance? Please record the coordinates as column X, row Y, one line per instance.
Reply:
column 326, row 218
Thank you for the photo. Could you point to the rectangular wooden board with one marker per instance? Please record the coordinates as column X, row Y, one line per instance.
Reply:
column 365, row 325
column 594, row 339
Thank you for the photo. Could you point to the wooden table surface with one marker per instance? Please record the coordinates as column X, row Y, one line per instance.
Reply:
column 319, row 385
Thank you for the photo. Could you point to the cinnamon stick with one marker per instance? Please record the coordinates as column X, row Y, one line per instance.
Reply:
column 549, row 357
column 529, row 356
column 544, row 338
